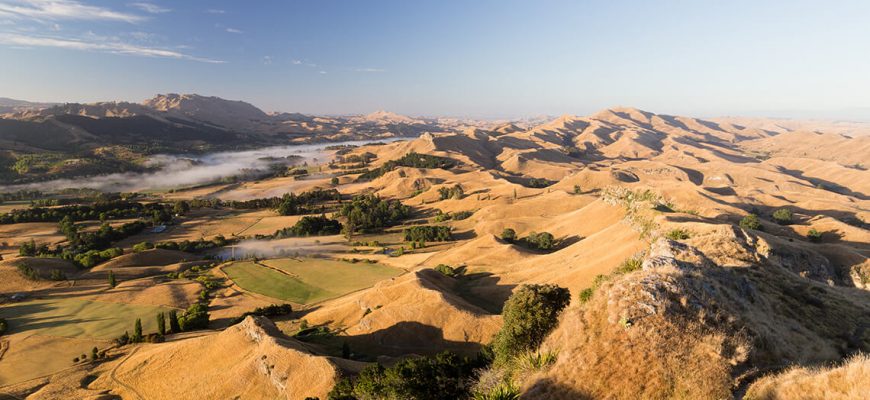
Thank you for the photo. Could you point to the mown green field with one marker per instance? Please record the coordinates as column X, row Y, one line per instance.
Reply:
column 307, row 280
column 74, row 318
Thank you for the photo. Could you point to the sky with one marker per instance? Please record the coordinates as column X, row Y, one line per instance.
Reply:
column 482, row 58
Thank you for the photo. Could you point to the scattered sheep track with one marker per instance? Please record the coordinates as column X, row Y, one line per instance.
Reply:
column 118, row 381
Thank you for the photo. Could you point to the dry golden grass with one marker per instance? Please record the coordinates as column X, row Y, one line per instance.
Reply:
column 247, row 360
column 849, row 381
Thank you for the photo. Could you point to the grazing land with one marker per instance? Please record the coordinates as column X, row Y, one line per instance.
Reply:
column 306, row 280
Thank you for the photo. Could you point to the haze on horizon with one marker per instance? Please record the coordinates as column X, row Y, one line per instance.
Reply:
column 487, row 59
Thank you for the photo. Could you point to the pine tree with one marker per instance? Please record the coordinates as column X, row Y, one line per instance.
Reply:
column 161, row 323
column 173, row 322
column 112, row 281
column 137, row 331
column 94, row 353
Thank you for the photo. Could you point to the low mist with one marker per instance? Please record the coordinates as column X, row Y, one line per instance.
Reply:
column 289, row 247
column 174, row 171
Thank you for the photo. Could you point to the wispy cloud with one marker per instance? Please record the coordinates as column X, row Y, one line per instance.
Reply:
column 234, row 30
column 215, row 11
column 62, row 9
column 297, row 62
column 321, row 72
column 369, row 70
column 98, row 44
column 150, row 8
column 267, row 60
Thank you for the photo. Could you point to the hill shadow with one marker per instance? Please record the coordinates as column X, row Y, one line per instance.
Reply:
column 548, row 389
column 408, row 337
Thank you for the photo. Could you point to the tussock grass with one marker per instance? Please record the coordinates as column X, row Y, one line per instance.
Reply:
column 851, row 380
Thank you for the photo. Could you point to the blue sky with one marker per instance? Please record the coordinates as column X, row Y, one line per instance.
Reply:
column 461, row 58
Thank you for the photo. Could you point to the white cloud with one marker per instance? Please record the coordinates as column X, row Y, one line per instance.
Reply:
column 369, row 70
column 234, row 30
column 321, row 72
column 107, row 46
column 215, row 11
column 297, row 62
column 142, row 36
column 62, row 9
column 267, row 60
column 150, row 8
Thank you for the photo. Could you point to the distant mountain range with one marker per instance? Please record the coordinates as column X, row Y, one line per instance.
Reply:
column 185, row 121
column 50, row 140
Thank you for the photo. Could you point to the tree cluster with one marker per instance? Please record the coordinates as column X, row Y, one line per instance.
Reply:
column 306, row 202
column 453, row 192
column 412, row 160
column 540, row 241
column 101, row 211
column 444, row 376
column 428, row 233
column 193, row 246
column 368, row 212
column 311, row 226
column 273, row 310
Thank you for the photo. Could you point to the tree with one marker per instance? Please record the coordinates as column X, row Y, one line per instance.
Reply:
column 334, row 181
column 112, row 281
column 508, row 235
column 181, row 207
column 3, row 326
column 782, row 216
column 445, row 270
column 541, row 241
column 137, row 331
column 69, row 229
column 814, row 235
column 27, row 249
column 751, row 221
column 529, row 315
column 444, row 376
column 196, row 317
column 95, row 353
column 161, row 323
column 173, row 322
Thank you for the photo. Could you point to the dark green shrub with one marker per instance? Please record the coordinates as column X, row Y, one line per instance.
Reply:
column 814, row 236
column 586, row 295
column 368, row 212
column 273, row 310
column 751, row 221
column 311, row 226
column 460, row 215
column 630, row 265
column 28, row 272
column 444, row 376
column 445, row 270
column 508, row 235
column 678, row 234
column 428, row 233
column 529, row 315
column 3, row 326
column 782, row 216
column 196, row 317
column 140, row 247
column 540, row 241
column 454, row 192
column 57, row 275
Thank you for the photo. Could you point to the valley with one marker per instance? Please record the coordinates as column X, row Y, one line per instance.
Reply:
column 691, row 256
